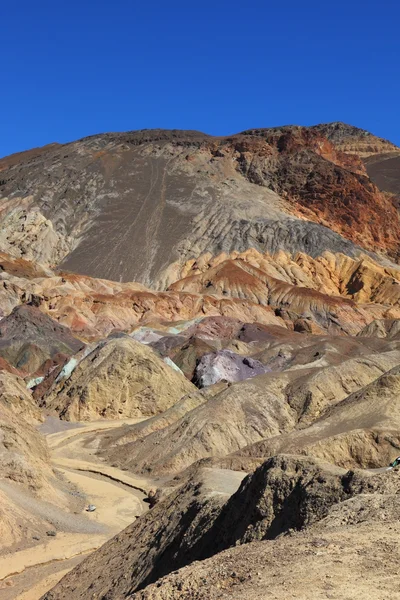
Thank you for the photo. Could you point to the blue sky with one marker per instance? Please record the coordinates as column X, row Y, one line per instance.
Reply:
column 70, row 69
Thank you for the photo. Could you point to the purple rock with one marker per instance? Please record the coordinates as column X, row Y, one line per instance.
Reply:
column 226, row 366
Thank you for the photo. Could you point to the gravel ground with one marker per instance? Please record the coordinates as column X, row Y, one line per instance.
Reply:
column 55, row 425
column 59, row 519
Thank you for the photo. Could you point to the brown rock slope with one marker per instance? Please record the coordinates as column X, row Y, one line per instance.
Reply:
column 24, row 456
column 360, row 430
column 258, row 409
column 285, row 493
column 353, row 140
column 381, row 157
column 16, row 398
column 92, row 308
column 118, row 378
column 324, row 184
column 351, row 563
column 362, row 279
column 333, row 293
column 226, row 422
column 384, row 170
column 161, row 197
column 233, row 278
column 382, row 328
column 28, row 338
column 24, row 459
column 329, row 293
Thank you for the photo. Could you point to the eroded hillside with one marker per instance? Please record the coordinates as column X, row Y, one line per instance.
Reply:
column 129, row 206
column 199, row 366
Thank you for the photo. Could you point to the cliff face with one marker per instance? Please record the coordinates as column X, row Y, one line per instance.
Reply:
column 136, row 205
column 325, row 184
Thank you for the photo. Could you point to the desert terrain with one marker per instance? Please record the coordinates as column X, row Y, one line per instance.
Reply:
column 200, row 366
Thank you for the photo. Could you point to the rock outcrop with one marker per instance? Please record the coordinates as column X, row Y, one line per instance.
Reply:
column 355, row 141
column 226, row 366
column 118, row 378
column 24, row 457
column 331, row 293
column 359, row 431
column 265, row 412
column 346, row 562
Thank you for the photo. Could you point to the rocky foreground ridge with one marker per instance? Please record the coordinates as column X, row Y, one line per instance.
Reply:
column 310, row 502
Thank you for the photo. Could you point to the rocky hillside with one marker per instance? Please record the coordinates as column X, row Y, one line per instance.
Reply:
column 134, row 206
column 353, row 140
column 285, row 494
column 24, row 464
column 330, row 293
column 209, row 327
column 118, row 378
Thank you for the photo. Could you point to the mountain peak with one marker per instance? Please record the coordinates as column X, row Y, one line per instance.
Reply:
column 354, row 140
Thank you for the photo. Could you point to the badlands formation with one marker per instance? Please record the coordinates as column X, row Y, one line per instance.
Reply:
column 200, row 366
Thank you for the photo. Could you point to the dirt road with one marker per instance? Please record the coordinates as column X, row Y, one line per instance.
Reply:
column 27, row 573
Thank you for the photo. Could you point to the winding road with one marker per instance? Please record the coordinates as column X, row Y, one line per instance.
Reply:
column 119, row 497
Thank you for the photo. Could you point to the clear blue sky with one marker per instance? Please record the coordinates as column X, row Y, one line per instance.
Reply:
column 73, row 68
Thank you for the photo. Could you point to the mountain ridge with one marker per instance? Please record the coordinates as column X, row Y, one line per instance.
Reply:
column 266, row 188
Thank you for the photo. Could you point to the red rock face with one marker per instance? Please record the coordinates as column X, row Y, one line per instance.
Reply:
column 295, row 139
column 322, row 183
column 5, row 366
column 332, row 293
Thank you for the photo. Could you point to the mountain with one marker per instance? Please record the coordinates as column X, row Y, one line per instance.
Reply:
column 353, row 140
column 134, row 206
column 28, row 338
column 200, row 366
